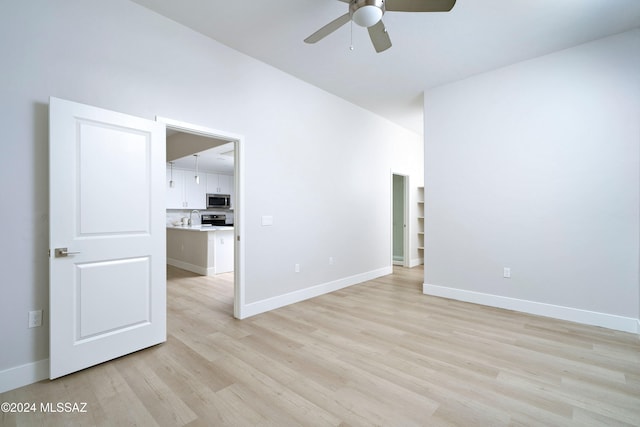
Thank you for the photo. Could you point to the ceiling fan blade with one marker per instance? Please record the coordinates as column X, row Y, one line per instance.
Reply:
column 328, row 29
column 419, row 5
column 379, row 37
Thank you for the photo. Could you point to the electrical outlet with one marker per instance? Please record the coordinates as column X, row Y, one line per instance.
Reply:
column 297, row 268
column 35, row 318
column 506, row 273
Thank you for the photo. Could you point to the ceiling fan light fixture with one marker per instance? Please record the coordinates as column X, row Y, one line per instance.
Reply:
column 367, row 12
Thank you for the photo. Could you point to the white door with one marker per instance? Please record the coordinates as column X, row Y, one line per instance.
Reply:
column 107, row 208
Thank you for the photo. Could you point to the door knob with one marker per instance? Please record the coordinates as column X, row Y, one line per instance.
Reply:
column 63, row 252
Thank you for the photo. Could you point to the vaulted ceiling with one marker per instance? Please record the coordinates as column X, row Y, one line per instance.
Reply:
column 429, row 49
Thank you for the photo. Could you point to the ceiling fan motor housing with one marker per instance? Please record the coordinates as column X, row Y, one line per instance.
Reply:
column 366, row 12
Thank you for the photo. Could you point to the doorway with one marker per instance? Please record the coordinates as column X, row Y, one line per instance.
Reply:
column 214, row 138
column 400, row 215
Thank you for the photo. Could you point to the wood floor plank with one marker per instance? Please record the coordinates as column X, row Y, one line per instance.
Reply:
column 378, row 353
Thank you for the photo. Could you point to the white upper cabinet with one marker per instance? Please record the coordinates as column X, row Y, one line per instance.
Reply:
column 185, row 193
column 219, row 184
column 175, row 193
column 226, row 184
column 195, row 194
column 212, row 183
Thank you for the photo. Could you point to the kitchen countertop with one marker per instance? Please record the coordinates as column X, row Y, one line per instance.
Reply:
column 199, row 227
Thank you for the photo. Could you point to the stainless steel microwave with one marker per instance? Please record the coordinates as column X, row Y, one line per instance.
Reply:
column 218, row 201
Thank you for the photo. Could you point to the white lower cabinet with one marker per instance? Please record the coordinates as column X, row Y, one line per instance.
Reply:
column 221, row 251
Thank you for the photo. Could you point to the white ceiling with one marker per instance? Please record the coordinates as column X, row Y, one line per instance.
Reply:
column 219, row 159
column 429, row 49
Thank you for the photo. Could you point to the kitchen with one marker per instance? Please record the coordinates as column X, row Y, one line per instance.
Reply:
column 200, row 195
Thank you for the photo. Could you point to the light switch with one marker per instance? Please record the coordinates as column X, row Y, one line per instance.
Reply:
column 267, row 220
column 35, row 318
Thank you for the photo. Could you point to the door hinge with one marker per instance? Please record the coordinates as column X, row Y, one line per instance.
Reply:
column 238, row 238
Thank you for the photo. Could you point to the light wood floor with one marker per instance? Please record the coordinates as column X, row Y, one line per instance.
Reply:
column 379, row 353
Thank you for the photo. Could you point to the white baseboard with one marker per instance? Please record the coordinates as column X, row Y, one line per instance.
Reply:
column 189, row 267
column 263, row 306
column 23, row 375
column 610, row 321
column 211, row 271
column 415, row 262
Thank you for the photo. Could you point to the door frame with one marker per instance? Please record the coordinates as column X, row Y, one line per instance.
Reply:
column 406, row 261
column 238, row 213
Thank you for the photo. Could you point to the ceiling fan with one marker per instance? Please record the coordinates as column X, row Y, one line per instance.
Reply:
column 368, row 13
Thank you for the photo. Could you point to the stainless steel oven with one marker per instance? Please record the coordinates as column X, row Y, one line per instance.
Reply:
column 216, row 219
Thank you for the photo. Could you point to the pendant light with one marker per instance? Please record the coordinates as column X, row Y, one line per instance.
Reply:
column 197, row 176
column 171, row 183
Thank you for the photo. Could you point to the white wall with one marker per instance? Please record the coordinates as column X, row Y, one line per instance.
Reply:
column 319, row 165
column 535, row 167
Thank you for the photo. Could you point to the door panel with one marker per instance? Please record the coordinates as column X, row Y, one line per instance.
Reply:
column 99, row 289
column 107, row 174
column 114, row 179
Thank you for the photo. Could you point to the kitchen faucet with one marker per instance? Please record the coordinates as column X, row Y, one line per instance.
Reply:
column 191, row 216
